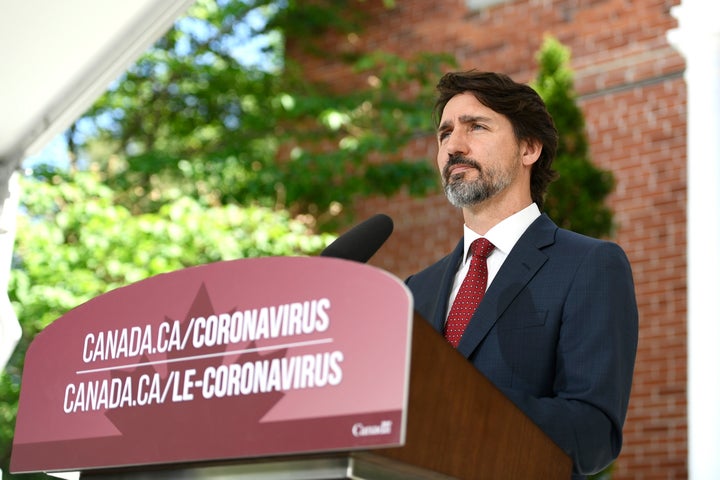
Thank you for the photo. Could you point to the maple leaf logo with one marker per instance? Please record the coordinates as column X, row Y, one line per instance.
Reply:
column 193, row 429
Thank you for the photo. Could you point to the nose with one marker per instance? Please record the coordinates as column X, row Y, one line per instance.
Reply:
column 456, row 143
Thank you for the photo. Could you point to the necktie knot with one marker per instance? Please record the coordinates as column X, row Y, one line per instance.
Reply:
column 481, row 247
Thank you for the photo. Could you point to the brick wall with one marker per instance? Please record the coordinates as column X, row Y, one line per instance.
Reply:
column 630, row 87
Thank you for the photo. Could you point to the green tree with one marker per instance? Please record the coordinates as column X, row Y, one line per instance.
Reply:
column 576, row 199
column 74, row 242
column 201, row 117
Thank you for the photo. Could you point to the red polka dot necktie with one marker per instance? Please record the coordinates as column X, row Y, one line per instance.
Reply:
column 471, row 292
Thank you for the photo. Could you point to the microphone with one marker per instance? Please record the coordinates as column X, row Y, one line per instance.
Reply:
column 361, row 241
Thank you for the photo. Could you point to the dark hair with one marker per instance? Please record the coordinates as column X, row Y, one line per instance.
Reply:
column 522, row 106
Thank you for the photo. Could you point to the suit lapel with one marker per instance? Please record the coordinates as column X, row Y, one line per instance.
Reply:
column 521, row 265
column 446, row 282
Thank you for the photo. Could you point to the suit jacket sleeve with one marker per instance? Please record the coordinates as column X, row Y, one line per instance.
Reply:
column 595, row 358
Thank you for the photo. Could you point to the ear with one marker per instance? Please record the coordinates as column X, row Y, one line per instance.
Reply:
column 530, row 151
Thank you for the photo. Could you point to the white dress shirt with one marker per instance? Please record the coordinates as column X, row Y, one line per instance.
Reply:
column 504, row 236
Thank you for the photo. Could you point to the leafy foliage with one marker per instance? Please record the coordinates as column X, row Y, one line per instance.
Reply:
column 74, row 242
column 576, row 199
column 198, row 116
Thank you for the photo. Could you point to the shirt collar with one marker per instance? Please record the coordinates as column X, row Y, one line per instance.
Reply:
column 505, row 234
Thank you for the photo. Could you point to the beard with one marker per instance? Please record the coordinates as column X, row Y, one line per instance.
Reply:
column 489, row 181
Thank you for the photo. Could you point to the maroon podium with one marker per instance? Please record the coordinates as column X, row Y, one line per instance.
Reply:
column 281, row 367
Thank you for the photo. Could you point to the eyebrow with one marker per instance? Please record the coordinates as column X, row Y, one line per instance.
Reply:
column 464, row 119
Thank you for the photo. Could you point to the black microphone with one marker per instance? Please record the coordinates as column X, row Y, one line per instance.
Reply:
column 361, row 241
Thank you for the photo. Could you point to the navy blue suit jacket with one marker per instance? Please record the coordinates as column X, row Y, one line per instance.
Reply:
column 556, row 332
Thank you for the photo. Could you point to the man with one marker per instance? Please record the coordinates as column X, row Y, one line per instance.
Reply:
column 557, row 328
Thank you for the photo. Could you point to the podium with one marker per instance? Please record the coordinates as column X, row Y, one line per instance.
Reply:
column 386, row 396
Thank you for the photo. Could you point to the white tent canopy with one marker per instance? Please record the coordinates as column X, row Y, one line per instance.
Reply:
column 57, row 58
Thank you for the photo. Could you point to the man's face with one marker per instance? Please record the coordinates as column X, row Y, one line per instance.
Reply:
column 478, row 154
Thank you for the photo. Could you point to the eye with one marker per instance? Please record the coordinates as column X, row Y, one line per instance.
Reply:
column 478, row 126
column 443, row 134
